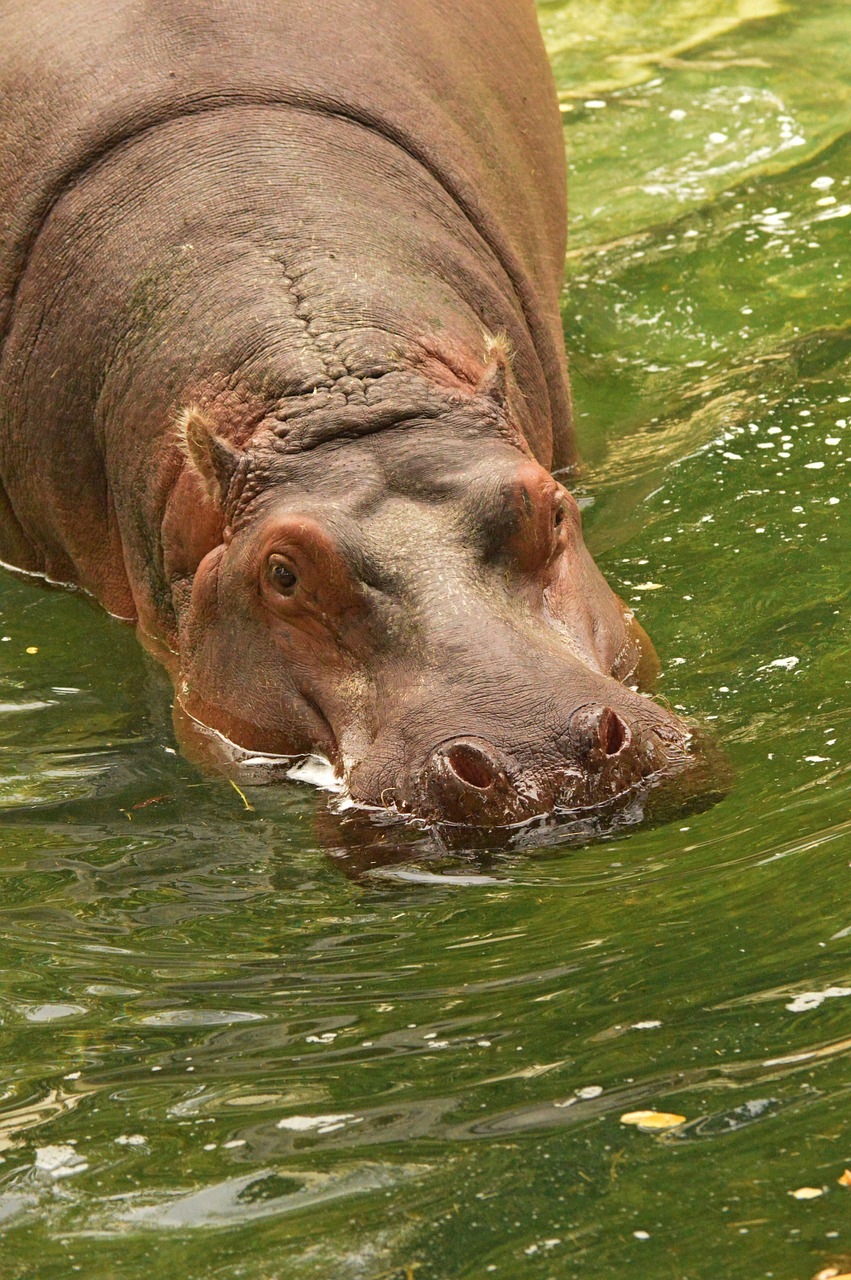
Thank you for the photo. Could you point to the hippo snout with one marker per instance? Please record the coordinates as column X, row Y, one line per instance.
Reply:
column 600, row 753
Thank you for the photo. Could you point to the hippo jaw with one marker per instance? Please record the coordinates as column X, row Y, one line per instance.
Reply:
column 426, row 616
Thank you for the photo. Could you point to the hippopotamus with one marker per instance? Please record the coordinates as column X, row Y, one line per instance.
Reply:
column 283, row 384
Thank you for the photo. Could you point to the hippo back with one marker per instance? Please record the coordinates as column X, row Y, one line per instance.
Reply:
column 462, row 85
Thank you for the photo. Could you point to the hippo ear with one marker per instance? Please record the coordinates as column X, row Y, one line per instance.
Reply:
column 493, row 383
column 213, row 459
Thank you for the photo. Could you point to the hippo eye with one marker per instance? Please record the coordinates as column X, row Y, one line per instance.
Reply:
column 558, row 517
column 281, row 575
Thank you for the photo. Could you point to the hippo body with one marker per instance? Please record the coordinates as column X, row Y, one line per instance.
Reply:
column 282, row 381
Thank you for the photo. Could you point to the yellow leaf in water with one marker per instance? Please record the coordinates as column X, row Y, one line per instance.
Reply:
column 807, row 1193
column 32, row 648
column 653, row 1120
column 845, row 1179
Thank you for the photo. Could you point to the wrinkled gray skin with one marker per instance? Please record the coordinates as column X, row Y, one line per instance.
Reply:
column 282, row 382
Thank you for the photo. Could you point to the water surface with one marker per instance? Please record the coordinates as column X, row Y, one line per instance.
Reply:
column 245, row 1042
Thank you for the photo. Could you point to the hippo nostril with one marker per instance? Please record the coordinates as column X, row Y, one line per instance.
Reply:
column 597, row 734
column 613, row 732
column 471, row 765
column 468, row 780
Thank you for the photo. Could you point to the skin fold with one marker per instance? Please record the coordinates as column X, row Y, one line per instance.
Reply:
column 283, row 383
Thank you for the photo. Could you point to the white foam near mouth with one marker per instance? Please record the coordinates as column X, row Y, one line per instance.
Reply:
column 318, row 771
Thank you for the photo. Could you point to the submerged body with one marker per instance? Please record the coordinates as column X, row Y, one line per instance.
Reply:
column 283, row 382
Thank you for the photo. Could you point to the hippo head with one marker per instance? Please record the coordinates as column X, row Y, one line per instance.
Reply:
column 398, row 585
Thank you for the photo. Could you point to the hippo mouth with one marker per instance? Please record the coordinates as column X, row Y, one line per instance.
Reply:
column 602, row 760
column 471, row 795
column 365, row 839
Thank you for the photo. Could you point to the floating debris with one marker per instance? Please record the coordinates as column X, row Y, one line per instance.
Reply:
column 243, row 797
column 653, row 1121
column 60, row 1161
column 812, row 999
column 788, row 664
column 321, row 1124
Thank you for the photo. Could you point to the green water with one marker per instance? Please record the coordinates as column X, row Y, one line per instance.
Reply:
column 188, row 985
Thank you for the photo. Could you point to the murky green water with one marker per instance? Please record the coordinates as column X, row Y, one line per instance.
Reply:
column 261, row 1053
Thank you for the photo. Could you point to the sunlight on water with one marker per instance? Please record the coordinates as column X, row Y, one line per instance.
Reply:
column 245, row 1035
